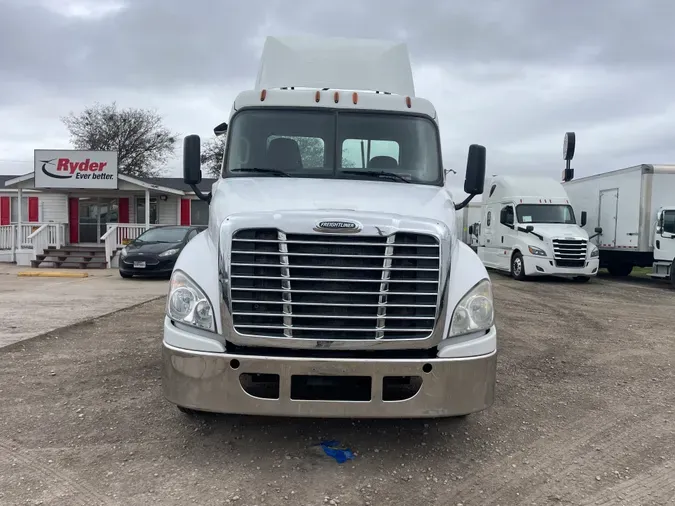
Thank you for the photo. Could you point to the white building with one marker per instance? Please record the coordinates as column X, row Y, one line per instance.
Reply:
column 85, row 226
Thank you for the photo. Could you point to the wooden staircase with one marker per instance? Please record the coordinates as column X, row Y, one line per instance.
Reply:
column 72, row 257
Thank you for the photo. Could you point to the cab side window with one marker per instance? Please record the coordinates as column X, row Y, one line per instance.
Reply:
column 669, row 222
column 506, row 216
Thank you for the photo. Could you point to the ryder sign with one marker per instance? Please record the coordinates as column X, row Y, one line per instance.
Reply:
column 75, row 168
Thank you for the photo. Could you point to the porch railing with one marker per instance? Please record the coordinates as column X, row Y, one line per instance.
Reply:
column 56, row 234
column 7, row 237
column 39, row 239
column 119, row 235
column 26, row 237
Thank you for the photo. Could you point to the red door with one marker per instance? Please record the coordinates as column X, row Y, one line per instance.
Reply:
column 33, row 209
column 4, row 211
column 74, row 220
column 184, row 211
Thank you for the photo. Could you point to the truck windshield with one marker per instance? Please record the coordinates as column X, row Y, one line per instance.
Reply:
column 545, row 213
column 333, row 144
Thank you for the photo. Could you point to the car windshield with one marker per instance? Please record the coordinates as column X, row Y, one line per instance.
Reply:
column 545, row 213
column 333, row 144
column 163, row 234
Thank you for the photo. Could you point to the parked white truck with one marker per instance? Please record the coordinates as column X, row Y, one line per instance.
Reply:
column 468, row 224
column 330, row 281
column 528, row 228
column 632, row 214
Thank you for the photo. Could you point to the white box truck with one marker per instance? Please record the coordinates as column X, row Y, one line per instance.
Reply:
column 331, row 281
column 468, row 224
column 631, row 212
column 528, row 228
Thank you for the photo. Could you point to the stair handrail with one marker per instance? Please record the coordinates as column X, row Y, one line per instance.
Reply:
column 39, row 240
column 110, row 240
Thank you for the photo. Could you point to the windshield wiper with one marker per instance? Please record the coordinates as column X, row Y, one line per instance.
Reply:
column 376, row 173
column 276, row 172
column 529, row 229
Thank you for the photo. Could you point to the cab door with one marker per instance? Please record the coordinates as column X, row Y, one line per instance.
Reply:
column 485, row 239
column 506, row 234
column 665, row 238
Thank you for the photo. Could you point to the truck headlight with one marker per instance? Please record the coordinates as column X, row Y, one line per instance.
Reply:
column 187, row 303
column 475, row 312
column 536, row 251
column 594, row 251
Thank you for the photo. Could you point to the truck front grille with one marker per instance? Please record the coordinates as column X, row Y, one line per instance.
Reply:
column 331, row 287
column 570, row 252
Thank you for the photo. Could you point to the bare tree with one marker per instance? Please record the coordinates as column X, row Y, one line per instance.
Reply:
column 212, row 155
column 142, row 142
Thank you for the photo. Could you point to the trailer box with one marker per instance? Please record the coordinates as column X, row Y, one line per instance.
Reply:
column 624, row 208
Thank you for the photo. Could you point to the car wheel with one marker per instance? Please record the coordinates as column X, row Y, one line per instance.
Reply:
column 517, row 267
column 672, row 273
column 582, row 279
column 126, row 275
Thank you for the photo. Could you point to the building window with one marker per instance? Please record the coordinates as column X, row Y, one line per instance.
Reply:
column 199, row 211
column 140, row 210
column 14, row 210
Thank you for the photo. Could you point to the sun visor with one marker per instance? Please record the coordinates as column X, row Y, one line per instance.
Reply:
column 336, row 63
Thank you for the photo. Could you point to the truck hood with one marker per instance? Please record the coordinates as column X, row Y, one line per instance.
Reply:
column 558, row 231
column 270, row 194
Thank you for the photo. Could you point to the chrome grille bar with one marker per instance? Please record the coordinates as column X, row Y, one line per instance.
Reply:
column 334, row 287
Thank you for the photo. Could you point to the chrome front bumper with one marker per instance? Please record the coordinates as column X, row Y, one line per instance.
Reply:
column 211, row 382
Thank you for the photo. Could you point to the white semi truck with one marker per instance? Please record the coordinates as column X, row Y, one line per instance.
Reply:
column 631, row 212
column 529, row 228
column 331, row 281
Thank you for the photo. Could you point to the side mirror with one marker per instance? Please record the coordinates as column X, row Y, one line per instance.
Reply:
column 220, row 129
column 598, row 230
column 474, row 179
column 192, row 165
column 584, row 217
column 529, row 228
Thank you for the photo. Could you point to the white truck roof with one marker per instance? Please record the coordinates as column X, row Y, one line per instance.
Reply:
column 527, row 187
column 336, row 63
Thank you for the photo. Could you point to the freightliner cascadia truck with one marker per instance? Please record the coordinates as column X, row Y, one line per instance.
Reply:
column 331, row 281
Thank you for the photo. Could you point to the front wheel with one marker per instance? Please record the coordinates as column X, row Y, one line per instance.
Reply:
column 126, row 275
column 582, row 279
column 672, row 273
column 517, row 267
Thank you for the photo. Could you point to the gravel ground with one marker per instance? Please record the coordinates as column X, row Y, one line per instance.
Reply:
column 583, row 416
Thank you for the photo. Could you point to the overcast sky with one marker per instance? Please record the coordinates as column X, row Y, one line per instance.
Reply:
column 513, row 76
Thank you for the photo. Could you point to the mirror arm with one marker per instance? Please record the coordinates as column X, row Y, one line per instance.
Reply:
column 202, row 196
column 594, row 236
column 464, row 202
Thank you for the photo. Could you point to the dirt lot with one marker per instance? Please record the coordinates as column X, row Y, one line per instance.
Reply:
column 584, row 415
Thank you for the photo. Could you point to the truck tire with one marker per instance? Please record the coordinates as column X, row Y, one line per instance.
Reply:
column 620, row 270
column 518, row 267
column 582, row 279
column 672, row 274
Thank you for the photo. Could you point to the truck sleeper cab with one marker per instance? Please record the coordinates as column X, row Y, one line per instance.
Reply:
column 529, row 228
column 331, row 281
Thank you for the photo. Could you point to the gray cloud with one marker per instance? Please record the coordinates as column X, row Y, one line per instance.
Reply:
column 511, row 75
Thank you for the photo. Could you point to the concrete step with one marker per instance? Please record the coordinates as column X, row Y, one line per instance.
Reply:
column 70, row 264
